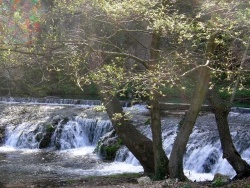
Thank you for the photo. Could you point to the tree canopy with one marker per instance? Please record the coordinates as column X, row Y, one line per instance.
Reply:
column 128, row 47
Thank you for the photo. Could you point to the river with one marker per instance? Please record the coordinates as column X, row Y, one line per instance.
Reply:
column 70, row 153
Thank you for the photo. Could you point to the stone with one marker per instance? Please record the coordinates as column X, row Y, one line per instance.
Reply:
column 144, row 180
column 108, row 145
column 2, row 134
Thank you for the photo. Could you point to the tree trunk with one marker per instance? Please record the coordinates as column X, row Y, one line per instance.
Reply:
column 137, row 143
column 160, row 158
column 221, row 111
column 186, row 126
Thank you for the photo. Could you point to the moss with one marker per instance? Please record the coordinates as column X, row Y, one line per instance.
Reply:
column 110, row 151
column 147, row 122
column 50, row 128
column 217, row 183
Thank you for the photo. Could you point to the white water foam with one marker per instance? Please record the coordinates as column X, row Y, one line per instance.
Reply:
column 194, row 176
column 81, row 151
column 120, row 167
column 203, row 150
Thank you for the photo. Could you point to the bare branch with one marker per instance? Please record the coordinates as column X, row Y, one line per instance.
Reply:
column 191, row 71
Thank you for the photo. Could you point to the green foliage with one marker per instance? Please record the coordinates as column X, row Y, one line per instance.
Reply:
column 98, row 49
column 100, row 108
column 143, row 47
column 110, row 151
column 218, row 182
column 50, row 128
column 187, row 186
column 147, row 122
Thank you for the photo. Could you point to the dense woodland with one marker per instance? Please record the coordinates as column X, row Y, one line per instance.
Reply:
column 160, row 50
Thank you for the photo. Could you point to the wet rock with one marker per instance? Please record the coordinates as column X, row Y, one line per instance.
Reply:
column 59, row 119
column 58, row 123
column 108, row 146
column 56, row 119
column 210, row 161
column 2, row 133
column 39, row 136
column 46, row 139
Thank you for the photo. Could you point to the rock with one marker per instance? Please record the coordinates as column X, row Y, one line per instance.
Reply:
column 220, row 180
column 56, row 119
column 168, row 183
column 2, row 133
column 108, row 146
column 46, row 137
column 144, row 180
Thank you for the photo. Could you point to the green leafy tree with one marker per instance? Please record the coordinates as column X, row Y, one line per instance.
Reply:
column 142, row 46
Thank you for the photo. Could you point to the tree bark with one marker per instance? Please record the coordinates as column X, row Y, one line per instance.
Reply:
column 221, row 111
column 137, row 143
column 160, row 158
column 186, row 126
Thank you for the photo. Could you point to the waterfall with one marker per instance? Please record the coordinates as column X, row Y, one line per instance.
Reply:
column 63, row 128
column 80, row 132
column 77, row 132
column 24, row 135
column 124, row 155
column 204, row 152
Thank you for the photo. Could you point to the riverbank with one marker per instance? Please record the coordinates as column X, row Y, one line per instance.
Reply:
column 122, row 181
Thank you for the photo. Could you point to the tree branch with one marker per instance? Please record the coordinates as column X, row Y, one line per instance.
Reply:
column 191, row 71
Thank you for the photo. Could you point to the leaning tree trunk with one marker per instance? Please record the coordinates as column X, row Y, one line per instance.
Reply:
column 221, row 111
column 137, row 143
column 186, row 126
column 160, row 158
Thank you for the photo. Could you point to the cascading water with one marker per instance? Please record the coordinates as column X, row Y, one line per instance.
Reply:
column 204, row 153
column 74, row 130
column 80, row 132
column 25, row 135
column 76, row 133
column 77, row 130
